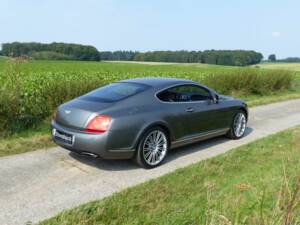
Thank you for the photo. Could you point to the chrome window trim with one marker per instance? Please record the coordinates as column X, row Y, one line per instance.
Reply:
column 183, row 84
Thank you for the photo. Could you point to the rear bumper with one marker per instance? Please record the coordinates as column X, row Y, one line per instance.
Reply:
column 90, row 143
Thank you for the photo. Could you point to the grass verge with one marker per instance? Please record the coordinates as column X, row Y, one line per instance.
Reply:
column 254, row 184
column 37, row 138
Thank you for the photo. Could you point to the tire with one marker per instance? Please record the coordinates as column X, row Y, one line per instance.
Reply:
column 239, row 119
column 152, row 148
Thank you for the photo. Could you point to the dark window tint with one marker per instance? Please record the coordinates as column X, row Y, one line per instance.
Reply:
column 115, row 92
column 184, row 93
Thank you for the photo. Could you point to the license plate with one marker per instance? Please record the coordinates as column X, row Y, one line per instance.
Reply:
column 63, row 137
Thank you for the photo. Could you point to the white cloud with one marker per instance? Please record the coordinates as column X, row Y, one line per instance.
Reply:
column 276, row 34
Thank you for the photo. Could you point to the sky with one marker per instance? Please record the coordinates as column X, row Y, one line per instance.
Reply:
column 267, row 26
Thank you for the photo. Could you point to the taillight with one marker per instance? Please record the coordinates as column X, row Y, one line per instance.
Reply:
column 99, row 124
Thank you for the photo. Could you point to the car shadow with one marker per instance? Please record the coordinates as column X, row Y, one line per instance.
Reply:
column 121, row 164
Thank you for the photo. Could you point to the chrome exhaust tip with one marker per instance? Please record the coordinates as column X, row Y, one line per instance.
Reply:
column 89, row 154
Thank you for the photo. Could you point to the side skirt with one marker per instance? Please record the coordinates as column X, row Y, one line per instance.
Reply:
column 198, row 137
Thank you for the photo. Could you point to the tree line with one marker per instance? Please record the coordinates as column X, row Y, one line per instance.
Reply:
column 54, row 51
column 218, row 57
column 290, row 59
column 64, row 51
column 272, row 58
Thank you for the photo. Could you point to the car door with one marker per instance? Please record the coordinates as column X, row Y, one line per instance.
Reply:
column 205, row 114
column 179, row 111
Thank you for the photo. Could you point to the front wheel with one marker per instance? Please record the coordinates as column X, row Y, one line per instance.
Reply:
column 152, row 148
column 238, row 126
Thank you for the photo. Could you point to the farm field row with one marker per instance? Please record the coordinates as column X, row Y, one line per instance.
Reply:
column 36, row 88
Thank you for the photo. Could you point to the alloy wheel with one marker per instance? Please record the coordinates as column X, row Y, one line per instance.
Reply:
column 155, row 147
column 239, row 124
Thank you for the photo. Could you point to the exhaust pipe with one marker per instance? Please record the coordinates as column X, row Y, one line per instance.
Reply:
column 93, row 155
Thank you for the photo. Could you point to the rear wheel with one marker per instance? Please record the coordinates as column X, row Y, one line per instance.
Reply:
column 152, row 148
column 238, row 126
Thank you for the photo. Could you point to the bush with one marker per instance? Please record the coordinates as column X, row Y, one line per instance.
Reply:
column 27, row 99
column 250, row 81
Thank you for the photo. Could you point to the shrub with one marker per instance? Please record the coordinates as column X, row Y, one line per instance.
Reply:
column 250, row 81
column 27, row 99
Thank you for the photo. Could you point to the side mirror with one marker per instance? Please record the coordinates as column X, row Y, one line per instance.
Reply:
column 215, row 98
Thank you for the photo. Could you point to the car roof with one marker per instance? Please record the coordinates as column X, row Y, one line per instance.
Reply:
column 159, row 82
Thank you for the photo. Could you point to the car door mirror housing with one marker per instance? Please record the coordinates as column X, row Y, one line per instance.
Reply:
column 215, row 98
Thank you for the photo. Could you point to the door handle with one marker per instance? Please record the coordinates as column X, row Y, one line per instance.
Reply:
column 190, row 109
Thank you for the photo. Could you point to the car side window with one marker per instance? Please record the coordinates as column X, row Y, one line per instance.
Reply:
column 184, row 93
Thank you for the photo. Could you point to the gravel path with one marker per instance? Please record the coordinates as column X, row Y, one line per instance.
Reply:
column 39, row 184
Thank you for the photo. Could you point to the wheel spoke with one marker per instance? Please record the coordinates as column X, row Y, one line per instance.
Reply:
column 153, row 157
column 156, row 137
column 151, row 139
column 157, row 155
column 147, row 155
column 147, row 149
column 150, row 157
column 147, row 142
column 160, row 138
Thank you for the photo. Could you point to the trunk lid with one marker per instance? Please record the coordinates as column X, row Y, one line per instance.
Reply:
column 75, row 114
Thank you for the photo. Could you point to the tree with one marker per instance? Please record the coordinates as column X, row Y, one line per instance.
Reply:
column 272, row 57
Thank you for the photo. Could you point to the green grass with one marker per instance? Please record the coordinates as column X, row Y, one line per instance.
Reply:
column 254, row 184
column 46, row 84
column 33, row 139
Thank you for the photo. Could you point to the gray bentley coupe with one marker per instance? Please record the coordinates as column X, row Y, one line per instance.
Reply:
column 144, row 118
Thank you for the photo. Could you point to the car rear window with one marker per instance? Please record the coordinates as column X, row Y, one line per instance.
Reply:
column 115, row 92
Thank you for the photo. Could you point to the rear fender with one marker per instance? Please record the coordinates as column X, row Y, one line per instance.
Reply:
column 147, row 127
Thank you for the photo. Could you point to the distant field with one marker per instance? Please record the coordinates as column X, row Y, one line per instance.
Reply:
column 286, row 66
column 121, row 67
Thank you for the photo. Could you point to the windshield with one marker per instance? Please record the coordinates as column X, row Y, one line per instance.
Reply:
column 115, row 92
